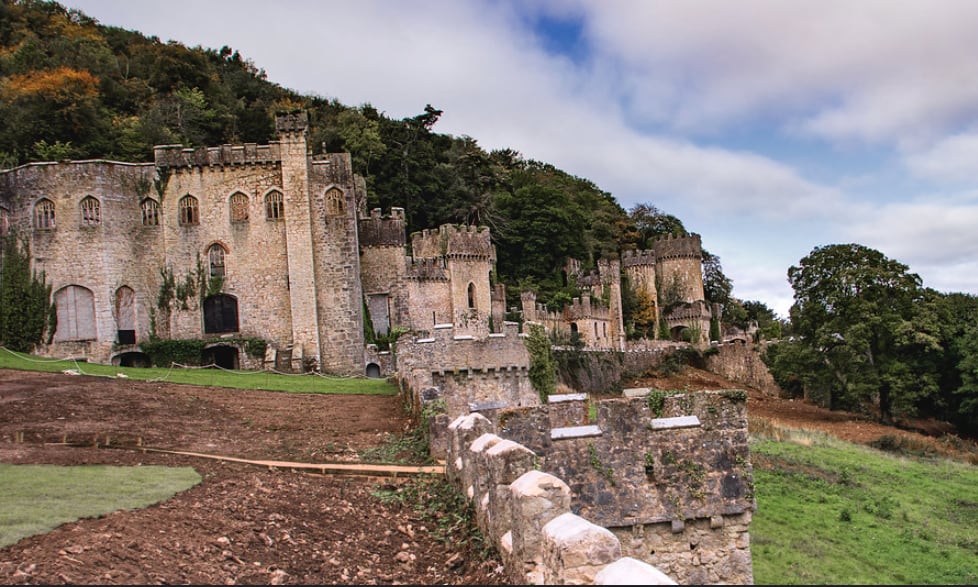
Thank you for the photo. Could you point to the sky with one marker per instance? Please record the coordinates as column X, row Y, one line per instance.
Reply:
column 769, row 127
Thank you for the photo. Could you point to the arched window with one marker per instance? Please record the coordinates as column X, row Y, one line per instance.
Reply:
column 215, row 256
column 220, row 314
column 44, row 214
column 471, row 295
column 335, row 205
column 239, row 207
column 91, row 212
column 189, row 211
column 151, row 212
column 274, row 206
column 75, row 306
column 125, row 315
column 4, row 221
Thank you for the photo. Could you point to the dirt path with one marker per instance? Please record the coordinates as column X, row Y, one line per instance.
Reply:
column 242, row 524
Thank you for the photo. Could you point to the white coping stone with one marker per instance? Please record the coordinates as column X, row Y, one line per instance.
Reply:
column 574, row 432
column 497, row 335
column 677, row 422
column 443, row 326
column 636, row 391
column 566, row 397
column 463, row 337
column 425, row 340
column 630, row 571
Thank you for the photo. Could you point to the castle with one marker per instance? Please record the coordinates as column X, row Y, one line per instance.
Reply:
column 265, row 242
column 242, row 243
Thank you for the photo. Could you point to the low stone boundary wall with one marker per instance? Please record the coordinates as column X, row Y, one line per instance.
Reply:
column 526, row 514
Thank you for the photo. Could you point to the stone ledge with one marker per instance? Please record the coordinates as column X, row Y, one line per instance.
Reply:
column 677, row 422
column 574, row 432
column 566, row 397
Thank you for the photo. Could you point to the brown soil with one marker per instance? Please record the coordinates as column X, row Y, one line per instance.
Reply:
column 251, row 524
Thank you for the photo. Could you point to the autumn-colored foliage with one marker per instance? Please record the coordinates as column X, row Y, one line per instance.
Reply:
column 58, row 84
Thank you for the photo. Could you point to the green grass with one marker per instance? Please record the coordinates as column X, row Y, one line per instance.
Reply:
column 831, row 512
column 264, row 380
column 35, row 499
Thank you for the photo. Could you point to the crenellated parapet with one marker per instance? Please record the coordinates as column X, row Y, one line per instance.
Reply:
column 465, row 242
column 632, row 258
column 427, row 269
column 295, row 122
column 179, row 157
column 670, row 246
column 378, row 230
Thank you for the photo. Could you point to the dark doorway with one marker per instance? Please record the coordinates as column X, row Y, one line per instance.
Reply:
column 373, row 371
column 220, row 314
column 132, row 359
column 223, row 356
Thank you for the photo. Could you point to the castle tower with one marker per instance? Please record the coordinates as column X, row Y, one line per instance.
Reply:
column 298, row 233
column 679, row 275
column 610, row 271
column 468, row 256
column 679, row 268
column 383, row 267
column 639, row 268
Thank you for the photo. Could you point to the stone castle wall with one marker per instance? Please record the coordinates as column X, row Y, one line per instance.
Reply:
column 668, row 476
column 741, row 362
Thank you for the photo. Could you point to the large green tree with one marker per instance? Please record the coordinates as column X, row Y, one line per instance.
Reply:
column 863, row 336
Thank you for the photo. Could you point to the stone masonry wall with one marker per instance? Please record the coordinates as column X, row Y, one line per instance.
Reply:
column 116, row 252
column 741, row 362
column 526, row 514
column 669, row 475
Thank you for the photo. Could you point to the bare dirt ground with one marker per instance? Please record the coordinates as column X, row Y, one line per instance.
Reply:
column 246, row 524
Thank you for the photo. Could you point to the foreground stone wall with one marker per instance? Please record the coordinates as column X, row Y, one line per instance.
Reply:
column 527, row 515
column 668, row 474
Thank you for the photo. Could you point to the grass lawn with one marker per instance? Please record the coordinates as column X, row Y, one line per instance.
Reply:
column 35, row 499
column 213, row 377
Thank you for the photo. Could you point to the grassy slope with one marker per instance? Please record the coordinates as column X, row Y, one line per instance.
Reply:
column 831, row 512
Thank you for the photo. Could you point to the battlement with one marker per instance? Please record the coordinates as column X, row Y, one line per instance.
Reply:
column 632, row 258
column 292, row 122
column 452, row 240
column 692, row 310
column 427, row 269
column 379, row 231
column 226, row 155
column 681, row 246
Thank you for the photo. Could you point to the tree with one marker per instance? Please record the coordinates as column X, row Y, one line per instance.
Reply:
column 648, row 223
column 861, row 332
column 26, row 311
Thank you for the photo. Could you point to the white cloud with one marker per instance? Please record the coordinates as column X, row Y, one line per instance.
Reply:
column 950, row 159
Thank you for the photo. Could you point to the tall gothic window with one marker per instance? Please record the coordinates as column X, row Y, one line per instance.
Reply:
column 189, row 211
column 215, row 255
column 239, row 207
column 151, row 212
column 91, row 212
column 274, row 206
column 44, row 214
column 471, row 295
column 335, row 205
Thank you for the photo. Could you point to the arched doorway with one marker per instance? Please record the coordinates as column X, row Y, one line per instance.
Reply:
column 132, row 359
column 222, row 355
column 373, row 370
